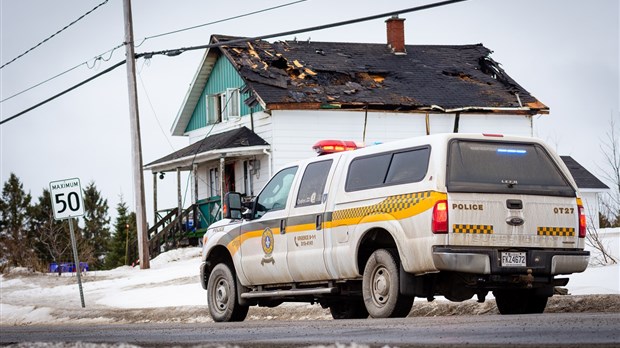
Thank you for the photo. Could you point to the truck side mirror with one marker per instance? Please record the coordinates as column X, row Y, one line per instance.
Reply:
column 232, row 206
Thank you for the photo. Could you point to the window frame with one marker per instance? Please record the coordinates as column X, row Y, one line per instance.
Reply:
column 348, row 188
column 567, row 191
column 322, row 187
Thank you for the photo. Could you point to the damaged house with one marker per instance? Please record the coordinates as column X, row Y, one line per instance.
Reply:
column 254, row 106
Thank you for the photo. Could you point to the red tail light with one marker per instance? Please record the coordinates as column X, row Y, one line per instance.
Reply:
column 582, row 221
column 440, row 217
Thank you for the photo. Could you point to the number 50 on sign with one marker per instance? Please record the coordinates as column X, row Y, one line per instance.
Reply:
column 66, row 198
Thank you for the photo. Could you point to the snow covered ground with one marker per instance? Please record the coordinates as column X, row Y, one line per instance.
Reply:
column 170, row 290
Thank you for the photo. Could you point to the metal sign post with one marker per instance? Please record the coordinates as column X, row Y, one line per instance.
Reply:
column 78, row 271
column 67, row 203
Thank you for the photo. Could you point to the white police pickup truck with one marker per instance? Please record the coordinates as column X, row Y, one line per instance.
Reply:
column 364, row 232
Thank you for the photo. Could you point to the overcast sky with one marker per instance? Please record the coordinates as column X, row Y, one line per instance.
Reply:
column 564, row 52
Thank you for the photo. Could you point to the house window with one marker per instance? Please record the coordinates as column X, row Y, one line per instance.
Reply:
column 230, row 103
column 214, row 109
column 222, row 106
column 214, row 182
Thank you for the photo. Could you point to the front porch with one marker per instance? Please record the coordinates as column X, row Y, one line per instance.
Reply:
column 229, row 161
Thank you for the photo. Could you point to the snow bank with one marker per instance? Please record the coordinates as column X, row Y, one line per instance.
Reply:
column 170, row 290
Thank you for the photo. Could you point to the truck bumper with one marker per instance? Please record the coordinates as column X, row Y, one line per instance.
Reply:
column 488, row 260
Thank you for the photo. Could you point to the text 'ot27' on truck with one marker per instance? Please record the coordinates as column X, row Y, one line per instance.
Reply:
column 364, row 232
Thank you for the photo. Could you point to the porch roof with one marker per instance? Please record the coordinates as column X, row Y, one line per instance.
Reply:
column 234, row 143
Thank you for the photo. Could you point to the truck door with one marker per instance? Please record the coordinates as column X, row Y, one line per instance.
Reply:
column 263, row 244
column 305, row 224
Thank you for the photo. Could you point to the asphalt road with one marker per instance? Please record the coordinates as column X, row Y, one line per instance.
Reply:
column 546, row 330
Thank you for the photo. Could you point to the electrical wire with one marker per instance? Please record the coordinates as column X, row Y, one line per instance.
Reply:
column 56, row 33
column 111, row 51
column 220, row 21
column 177, row 51
column 146, row 93
column 64, row 92
column 98, row 57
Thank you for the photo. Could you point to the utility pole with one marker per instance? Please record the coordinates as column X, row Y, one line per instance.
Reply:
column 136, row 147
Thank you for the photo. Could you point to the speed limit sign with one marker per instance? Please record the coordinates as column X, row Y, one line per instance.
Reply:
column 66, row 198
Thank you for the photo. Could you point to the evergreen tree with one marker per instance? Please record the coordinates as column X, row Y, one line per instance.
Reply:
column 123, row 245
column 52, row 241
column 96, row 231
column 15, row 239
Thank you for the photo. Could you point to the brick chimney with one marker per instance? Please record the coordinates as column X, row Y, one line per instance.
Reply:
column 396, row 34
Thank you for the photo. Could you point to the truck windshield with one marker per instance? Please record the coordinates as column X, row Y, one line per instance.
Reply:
column 508, row 168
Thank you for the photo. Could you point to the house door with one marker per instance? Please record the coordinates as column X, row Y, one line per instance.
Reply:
column 229, row 178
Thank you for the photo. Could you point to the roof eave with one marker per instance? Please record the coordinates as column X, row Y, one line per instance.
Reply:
column 185, row 163
column 194, row 92
column 523, row 110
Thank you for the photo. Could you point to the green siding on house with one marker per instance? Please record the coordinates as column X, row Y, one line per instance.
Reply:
column 222, row 76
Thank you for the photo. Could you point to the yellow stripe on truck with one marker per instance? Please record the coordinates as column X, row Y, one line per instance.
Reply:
column 556, row 231
column 475, row 229
column 392, row 208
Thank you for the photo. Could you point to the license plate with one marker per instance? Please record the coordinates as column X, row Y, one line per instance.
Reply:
column 513, row 259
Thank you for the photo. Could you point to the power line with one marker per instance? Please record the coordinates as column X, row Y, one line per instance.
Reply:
column 64, row 92
column 56, row 33
column 146, row 93
column 95, row 59
column 111, row 51
column 177, row 51
column 221, row 20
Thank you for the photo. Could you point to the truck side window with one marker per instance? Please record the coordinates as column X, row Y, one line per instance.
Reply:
column 390, row 168
column 367, row 172
column 313, row 183
column 275, row 194
column 408, row 166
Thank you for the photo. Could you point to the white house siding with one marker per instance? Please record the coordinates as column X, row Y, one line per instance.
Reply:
column 590, row 205
column 294, row 132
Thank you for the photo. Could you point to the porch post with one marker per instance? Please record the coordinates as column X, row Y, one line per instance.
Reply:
column 222, row 182
column 180, row 202
column 195, row 174
column 154, row 198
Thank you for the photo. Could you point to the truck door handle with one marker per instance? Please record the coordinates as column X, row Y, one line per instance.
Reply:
column 282, row 226
column 319, row 222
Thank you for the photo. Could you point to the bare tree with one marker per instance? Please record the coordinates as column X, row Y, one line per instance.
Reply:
column 597, row 242
column 609, row 215
column 610, row 204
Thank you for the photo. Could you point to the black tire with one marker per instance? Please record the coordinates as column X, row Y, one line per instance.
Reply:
column 222, row 295
column 520, row 301
column 353, row 309
column 381, row 286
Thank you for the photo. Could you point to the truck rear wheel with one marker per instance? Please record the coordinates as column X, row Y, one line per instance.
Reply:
column 520, row 301
column 381, row 286
column 222, row 295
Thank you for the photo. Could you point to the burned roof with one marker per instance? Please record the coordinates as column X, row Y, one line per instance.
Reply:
column 583, row 178
column 290, row 74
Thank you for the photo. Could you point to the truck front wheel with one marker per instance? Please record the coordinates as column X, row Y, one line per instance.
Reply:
column 381, row 286
column 222, row 295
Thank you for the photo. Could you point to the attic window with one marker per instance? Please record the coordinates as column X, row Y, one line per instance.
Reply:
column 223, row 106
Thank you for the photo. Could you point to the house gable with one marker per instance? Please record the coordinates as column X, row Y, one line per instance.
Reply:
column 223, row 76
